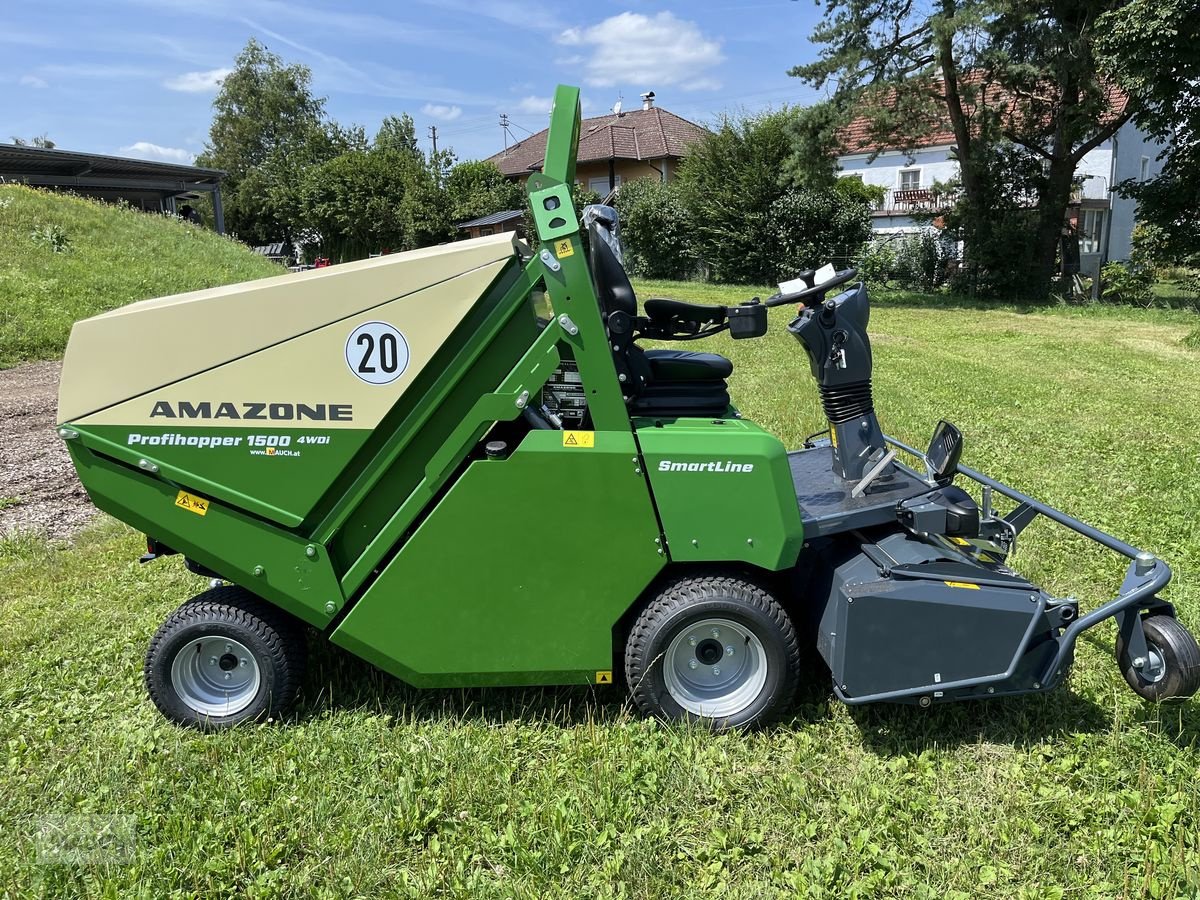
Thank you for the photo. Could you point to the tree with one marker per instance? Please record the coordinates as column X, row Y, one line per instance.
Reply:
column 1152, row 49
column 40, row 140
column 1018, row 82
column 729, row 181
column 814, row 226
column 656, row 229
column 267, row 130
column 356, row 202
column 479, row 188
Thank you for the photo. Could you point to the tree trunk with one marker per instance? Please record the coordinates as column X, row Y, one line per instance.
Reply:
column 1051, row 218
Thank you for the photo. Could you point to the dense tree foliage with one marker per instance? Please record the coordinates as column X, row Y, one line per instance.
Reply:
column 751, row 200
column 1152, row 49
column 814, row 226
column 729, row 182
column 656, row 229
column 478, row 188
column 267, row 129
column 1019, row 84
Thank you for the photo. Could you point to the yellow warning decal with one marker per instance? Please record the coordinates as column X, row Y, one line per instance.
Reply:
column 563, row 249
column 833, row 436
column 579, row 439
column 962, row 584
column 192, row 503
column 604, row 677
column 962, row 542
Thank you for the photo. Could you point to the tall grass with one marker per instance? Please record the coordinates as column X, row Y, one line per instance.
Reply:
column 64, row 258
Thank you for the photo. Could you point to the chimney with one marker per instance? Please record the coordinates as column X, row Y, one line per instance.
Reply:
column 648, row 100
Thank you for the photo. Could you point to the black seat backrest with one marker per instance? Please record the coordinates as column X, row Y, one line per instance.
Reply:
column 613, row 289
column 618, row 310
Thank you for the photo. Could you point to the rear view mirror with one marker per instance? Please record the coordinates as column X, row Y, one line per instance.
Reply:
column 944, row 451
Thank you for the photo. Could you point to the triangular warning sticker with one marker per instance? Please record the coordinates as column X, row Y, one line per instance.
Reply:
column 569, row 440
column 604, row 677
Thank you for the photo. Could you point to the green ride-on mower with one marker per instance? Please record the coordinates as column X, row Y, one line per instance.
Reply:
column 459, row 464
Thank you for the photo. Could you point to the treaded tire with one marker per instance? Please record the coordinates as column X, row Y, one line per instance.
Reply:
column 1180, row 654
column 275, row 639
column 685, row 602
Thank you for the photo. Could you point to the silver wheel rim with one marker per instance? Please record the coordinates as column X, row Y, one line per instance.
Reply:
column 712, row 686
column 216, row 676
column 1155, row 669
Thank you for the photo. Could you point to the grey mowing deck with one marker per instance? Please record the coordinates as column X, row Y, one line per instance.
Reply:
column 826, row 506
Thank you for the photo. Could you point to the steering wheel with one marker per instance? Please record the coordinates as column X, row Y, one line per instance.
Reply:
column 817, row 290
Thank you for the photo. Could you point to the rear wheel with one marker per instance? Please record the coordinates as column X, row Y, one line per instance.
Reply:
column 717, row 650
column 1171, row 667
column 223, row 658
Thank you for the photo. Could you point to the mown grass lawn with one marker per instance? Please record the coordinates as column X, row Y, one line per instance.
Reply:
column 372, row 789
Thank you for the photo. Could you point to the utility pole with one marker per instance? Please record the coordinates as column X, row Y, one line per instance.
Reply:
column 433, row 137
column 504, row 127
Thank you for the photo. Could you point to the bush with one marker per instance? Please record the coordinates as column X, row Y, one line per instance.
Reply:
column 852, row 188
column 814, row 226
column 921, row 260
column 656, row 230
column 1127, row 282
column 877, row 263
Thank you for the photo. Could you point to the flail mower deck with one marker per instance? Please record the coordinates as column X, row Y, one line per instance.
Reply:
column 459, row 464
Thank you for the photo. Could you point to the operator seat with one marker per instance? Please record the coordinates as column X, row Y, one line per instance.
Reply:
column 665, row 383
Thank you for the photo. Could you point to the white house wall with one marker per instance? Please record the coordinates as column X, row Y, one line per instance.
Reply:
column 934, row 162
column 1131, row 147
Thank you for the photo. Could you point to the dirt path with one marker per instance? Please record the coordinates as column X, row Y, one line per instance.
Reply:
column 38, row 488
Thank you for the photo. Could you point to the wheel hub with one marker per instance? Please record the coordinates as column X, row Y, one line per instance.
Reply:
column 216, row 676
column 715, row 668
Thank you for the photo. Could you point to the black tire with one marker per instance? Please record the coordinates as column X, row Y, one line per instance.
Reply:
column 686, row 603
column 268, row 661
column 1178, row 652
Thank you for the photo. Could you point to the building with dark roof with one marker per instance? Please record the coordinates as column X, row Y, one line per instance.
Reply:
column 508, row 220
column 141, row 183
column 613, row 148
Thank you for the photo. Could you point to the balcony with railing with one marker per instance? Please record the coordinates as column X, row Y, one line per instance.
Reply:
column 914, row 201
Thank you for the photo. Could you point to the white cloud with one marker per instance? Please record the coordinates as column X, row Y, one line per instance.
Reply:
column 33, row 81
column 147, row 150
column 654, row 51
column 534, row 105
column 442, row 111
column 197, row 82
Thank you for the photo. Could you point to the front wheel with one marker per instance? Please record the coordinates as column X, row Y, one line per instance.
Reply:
column 1171, row 667
column 223, row 658
column 717, row 650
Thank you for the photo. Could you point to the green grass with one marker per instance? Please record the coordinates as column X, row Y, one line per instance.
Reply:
column 65, row 258
column 373, row 789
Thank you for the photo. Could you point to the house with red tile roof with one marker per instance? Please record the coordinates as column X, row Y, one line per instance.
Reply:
column 614, row 148
column 912, row 179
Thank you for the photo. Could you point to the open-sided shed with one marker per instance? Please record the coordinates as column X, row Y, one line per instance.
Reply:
column 139, row 182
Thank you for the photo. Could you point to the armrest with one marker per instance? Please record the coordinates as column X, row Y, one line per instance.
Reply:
column 661, row 311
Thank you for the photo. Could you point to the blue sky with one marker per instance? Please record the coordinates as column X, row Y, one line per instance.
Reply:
column 137, row 77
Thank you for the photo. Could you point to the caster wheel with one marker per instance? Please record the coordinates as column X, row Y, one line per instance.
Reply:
column 223, row 658
column 715, row 650
column 1171, row 667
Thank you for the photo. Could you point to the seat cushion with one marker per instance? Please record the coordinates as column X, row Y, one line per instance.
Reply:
column 697, row 399
column 686, row 365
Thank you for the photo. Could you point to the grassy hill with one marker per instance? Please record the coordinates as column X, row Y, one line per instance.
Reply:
column 65, row 258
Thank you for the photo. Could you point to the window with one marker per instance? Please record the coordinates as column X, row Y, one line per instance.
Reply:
column 1091, row 230
column 600, row 185
column 484, row 232
column 1145, row 174
column 910, row 179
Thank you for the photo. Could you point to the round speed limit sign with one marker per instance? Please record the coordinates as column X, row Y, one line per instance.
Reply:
column 377, row 353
